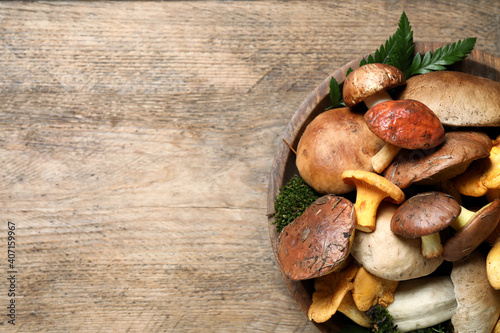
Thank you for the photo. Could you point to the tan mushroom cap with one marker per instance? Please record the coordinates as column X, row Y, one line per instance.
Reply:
column 319, row 240
column 389, row 256
column 478, row 306
column 335, row 141
column 472, row 232
column 370, row 79
column 482, row 175
column 433, row 166
column 371, row 189
column 457, row 98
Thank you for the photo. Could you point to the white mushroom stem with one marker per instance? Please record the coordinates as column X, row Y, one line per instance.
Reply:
column 379, row 97
column 431, row 245
column 462, row 219
column 384, row 157
column 421, row 303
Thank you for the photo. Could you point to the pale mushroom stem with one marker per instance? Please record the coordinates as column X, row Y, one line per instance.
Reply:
column 384, row 157
column 379, row 97
column 493, row 266
column 431, row 245
column 462, row 219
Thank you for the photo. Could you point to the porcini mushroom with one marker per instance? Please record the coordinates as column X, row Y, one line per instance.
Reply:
column 319, row 240
column 425, row 215
column 335, row 141
column 482, row 175
column 478, row 304
column 371, row 189
column 401, row 124
column 369, row 290
column 457, row 98
column 369, row 84
column 332, row 294
column 433, row 166
column 389, row 256
column 472, row 229
column 423, row 302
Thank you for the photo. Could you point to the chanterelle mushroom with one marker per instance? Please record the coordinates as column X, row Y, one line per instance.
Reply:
column 472, row 229
column 457, row 98
column 423, row 302
column 369, row 84
column 425, row 215
column 478, row 303
column 432, row 166
column 332, row 294
column 389, row 256
column 401, row 124
column 493, row 258
column 371, row 189
column 319, row 240
column 482, row 175
column 335, row 141
column 369, row 290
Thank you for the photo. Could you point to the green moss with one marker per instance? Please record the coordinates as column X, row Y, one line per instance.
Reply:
column 293, row 199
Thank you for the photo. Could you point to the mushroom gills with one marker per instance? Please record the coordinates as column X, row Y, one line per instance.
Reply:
column 423, row 302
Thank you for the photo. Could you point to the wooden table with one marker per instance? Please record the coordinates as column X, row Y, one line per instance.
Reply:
column 136, row 143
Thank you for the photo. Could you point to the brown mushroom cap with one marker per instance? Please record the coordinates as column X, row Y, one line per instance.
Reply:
column 369, row 80
column 469, row 237
column 319, row 240
column 405, row 123
column 457, row 98
column 424, row 214
column 478, row 306
column 335, row 141
column 444, row 162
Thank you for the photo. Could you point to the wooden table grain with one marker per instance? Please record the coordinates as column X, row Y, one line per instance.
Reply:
column 136, row 140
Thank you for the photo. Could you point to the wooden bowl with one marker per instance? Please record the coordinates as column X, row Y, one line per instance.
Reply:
column 283, row 167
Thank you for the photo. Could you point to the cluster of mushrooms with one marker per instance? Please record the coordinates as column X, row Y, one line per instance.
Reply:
column 413, row 166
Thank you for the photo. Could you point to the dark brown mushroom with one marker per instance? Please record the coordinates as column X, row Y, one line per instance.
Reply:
column 319, row 240
column 403, row 124
column 335, row 141
column 472, row 229
column 425, row 215
column 432, row 166
column 369, row 84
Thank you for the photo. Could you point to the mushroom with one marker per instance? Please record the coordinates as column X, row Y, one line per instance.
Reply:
column 433, row 166
column 319, row 240
column 335, row 141
column 369, row 84
column 497, row 327
column 423, row 302
column 332, row 294
column 369, row 290
column 472, row 229
column 401, row 124
column 482, row 175
column 493, row 258
column 457, row 98
column 371, row 189
column 389, row 256
column 478, row 304
column 425, row 215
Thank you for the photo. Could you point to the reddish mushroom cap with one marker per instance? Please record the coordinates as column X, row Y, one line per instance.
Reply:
column 407, row 124
column 319, row 240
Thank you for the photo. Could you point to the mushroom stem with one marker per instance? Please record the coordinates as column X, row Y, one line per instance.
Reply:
column 368, row 198
column 384, row 157
column 493, row 266
column 462, row 219
column 431, row 245
column 379, row 97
